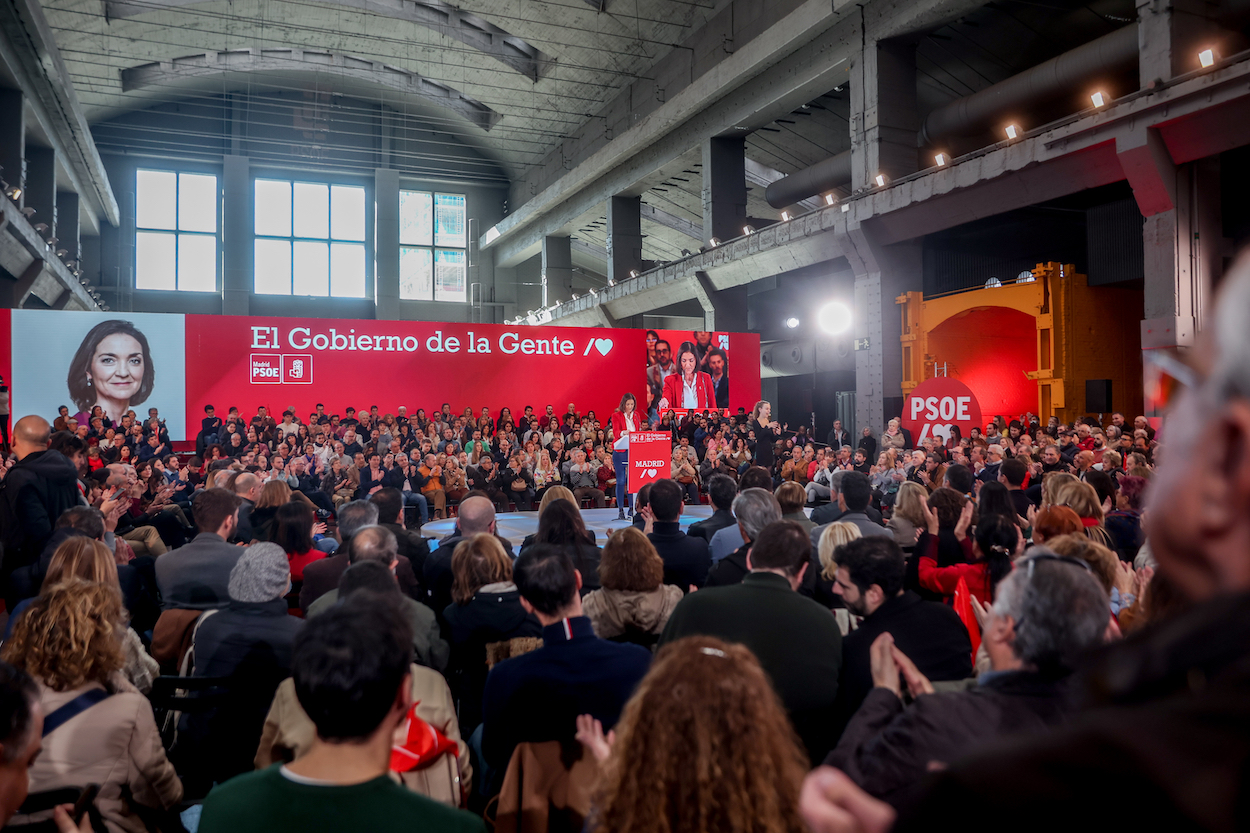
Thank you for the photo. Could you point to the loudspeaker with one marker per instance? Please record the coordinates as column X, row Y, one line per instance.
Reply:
column 1098, row 396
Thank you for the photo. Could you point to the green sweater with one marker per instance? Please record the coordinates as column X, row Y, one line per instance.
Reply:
column 269, row 802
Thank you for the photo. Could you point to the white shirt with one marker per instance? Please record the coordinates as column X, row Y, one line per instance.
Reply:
column 622, row 442
column 689, row 393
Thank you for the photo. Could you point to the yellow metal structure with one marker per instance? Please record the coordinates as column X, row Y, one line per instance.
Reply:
column 1083, row 332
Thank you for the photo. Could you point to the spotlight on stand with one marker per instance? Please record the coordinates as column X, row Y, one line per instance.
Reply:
column 715, row 241
column 633, row 273
column 834, row 318
column 746, row 230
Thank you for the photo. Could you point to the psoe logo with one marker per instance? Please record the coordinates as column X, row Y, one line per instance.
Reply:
column 265, row 369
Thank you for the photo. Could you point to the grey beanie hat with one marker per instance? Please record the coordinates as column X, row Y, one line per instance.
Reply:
column 262, row 574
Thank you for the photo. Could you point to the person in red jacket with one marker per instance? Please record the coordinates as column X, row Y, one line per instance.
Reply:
column 691, row 388
column 989, row 554
column 625, row 421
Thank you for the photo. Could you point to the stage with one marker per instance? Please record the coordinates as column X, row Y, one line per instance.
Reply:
column 515, row 526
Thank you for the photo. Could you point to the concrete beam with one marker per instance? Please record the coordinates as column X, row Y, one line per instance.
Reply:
column 29, row 49
column 165, row 74
column 25, row 254
column 1149, row 169
column 672, row 221
column 443, row 18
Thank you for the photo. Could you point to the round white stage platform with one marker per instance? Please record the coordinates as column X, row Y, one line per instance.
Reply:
column 515, row 526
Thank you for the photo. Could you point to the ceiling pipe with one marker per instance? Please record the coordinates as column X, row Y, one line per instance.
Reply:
column 1112, row 53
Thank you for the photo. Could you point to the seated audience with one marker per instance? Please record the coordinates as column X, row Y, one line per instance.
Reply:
column 754, row 509
column 96, row 727
column 560, row 525
column 376, row 543
column 765, row 613
column 352, row 678
column 908, row 519
column 412, row 547
column 635, row 602
column 538, row 696
column 293, row 526
column 721, row 490
column 729, row 539
column 854, row 493
column 791, row 498
column 289, row 733
column 870, row 581
column 993, row 547
column 1047, row 614
column 1054, row 521
column 196, row 576
column 826, row 566
column 485, row 616
column 1124, row 523
column 728, row 720
column 477, row 515
column 322, row 576
column 686, row 559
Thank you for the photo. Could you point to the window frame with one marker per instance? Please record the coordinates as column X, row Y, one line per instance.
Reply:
column 292, row 178
column 175, row 232
column 433, row 248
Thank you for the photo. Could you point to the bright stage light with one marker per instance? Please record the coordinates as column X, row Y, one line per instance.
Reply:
column 880, row 179
column 1206, row 57
column 792, row 322
column 941, row 160
column 1099, row 99
column 834, row 318
column 1012, row 131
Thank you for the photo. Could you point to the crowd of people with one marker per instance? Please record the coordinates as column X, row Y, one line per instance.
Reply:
column 860, row 637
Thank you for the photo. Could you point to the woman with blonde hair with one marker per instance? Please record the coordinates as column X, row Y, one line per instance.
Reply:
column 485, row 610
column 909, row 514
column 835, row 535
column 545, row 475
column 705, row 707
column 1083, row 500
column 68, row 641
column 892, row 437
column 633, row 603
column 1052, row 482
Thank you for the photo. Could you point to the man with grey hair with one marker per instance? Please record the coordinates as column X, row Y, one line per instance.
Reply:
column 320, row 577
column 247, row 486
column 377, row 543
column 754, row 509
column 1046, row 614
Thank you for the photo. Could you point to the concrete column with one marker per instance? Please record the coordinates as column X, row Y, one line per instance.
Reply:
column 1170, row 35
column 624, row 237
column 724, row 188
column 13, row 140
column 67, row 225
column 237, row 232
column 724, row 310
column 882, row 273
column 386, row 235
column 557, row 274
column 41, row 186
column 884, row 119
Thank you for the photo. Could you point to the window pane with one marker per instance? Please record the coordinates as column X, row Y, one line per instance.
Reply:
column 197, row 262
column 449, row 276
column 347, row 270
column 449, row 222
column 197, row 202
column 155, row 199
column 347, row 213
column 154, row 261
column 416, row 218
column 273, row 208
column 416, row 274
column 311, row 269
column 273, row 267
column 312, row 210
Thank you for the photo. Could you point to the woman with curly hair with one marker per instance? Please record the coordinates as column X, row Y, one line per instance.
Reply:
column 691, row 746
column 634, row 603
column 68, row 641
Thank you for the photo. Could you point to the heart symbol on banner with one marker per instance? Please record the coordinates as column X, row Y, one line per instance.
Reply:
column 603, row 345
column 652, row 472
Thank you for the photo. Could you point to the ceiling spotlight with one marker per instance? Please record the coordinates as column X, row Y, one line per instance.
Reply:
column 880, row 180
column 748, row 229
column 1206, row 57
column 611, row 282
column 792, row 322
column 785, row 216
column 1099, row 99
column 62, row 252
column 830, row 199
column 41, row 227
column 715, row 241
column 52, row 241
column 941, row 159
column 993, row 283
column 1012, row 131
column 28, row 211
column 685, row 253
column 633, row 273
column 834, row 318
column 13, row 193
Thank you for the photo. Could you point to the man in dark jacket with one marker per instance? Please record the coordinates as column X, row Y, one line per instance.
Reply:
column 412, row 547
column 37, row 489
column 486, row 478
column 870, row 582
column 721, row 490
column 538, row 696
column 754, row 510
column 833, row 511
column 686, row 560
column 795, row 639
column 249, row 643
column 247, row 486
column 196, row 576
column 1045, row 615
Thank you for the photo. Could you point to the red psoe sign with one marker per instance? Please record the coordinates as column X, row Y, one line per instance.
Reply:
column 650, row 458
column 937, row 404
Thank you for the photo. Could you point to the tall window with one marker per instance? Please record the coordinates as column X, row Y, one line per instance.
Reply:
column 310, row 239
column 433, row 237
column 176, row 231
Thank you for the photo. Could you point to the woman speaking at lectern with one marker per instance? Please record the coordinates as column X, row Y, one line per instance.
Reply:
column 625, row 421
column 689, row 387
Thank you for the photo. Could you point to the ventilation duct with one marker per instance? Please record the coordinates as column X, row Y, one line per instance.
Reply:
column 823, row 176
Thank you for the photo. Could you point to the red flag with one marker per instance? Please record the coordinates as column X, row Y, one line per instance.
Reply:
column 422, row 745
column 963, row 606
